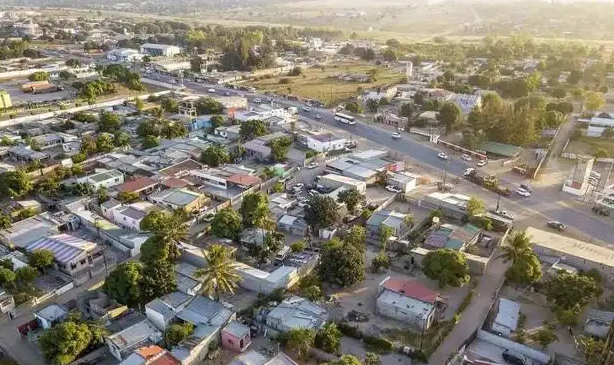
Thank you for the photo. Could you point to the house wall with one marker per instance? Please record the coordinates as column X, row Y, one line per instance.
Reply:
column 334, row 145
column 234, row 343
column 390, row 311
column 126, row 221
column 532, row 353
column 200, row 351
column 262, row 285
column 156, row 319
column 606, row 271
column 333, row 183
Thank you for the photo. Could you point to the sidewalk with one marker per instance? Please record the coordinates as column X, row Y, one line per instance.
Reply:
column 474, row 315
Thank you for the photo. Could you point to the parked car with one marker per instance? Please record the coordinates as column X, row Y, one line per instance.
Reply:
column 482, row 163
column 208, row 217
column 601, row 211
column 504, row 213
column 522, row 192
column 307, row 109
column 318, row 116
column 466, row 157
column 298, row 186
column 442, row 156
column 257, row 101
column 211, row 90
column 312, row 166
column 514, row 358
column 313, row 193
column 226, row 93
column 469, row 171
column 393, row 189
column 556, row 225
column 396, row 135
column 303, row 204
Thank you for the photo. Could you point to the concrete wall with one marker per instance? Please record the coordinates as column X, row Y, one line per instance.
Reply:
column 389, row 311
column 504, row 343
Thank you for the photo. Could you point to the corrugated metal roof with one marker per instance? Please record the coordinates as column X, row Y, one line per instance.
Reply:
column 508, row 313
column 65, row 248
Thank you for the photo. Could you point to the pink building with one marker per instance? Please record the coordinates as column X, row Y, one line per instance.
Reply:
column 235, row 336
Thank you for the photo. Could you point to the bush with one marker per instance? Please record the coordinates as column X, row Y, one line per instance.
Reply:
column 465, row 303
column 378, row 343
column 285, row 81
column 349, row 330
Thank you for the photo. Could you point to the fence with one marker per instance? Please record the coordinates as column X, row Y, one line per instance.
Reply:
column 535, row 173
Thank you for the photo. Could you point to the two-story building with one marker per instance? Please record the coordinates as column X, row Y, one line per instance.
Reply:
column 183, row 198
column 104, row 178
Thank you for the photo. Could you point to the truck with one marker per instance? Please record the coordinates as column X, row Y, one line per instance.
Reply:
column 487, row 180
column 292, row 110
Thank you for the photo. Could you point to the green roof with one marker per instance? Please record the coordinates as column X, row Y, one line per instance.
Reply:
column 500, row 149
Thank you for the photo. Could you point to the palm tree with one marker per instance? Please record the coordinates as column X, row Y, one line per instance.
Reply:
column 220, row 275
column 517, row 248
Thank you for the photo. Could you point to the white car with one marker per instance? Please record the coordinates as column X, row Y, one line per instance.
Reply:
column 481, row 163
column 298, row 186
column 211, row 90
column 469, row 171
column 307, row 109
column 442, row 156
column 257, row 101
column 312, row 166
column 393, row 189
column 209, row 217
column 505, row 214
column 466, row 157
column 303, row 203
column 318, row 116
column 396, row 135
column 523, row 192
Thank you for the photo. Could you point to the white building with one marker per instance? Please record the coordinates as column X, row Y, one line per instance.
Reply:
column 161, row 311
column 597, row 125
column 157, row 50
column 127, row 216
column 407, row 301
column 334, row 181
column 296, row 313
column 124, row 55
column 262, row 112
column 105, row 178
column 323, row 142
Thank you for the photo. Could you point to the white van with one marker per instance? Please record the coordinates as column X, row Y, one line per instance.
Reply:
column 281, row 254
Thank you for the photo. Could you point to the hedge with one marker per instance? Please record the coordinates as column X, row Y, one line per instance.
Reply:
column 349, row 330
column 378, row 343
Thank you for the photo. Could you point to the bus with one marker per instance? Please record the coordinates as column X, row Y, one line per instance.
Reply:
column 343, row 118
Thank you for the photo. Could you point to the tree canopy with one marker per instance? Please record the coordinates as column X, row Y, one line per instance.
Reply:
column 448, row 267
column 351, row 197
column 227, row 223
column 215, row 155
column 342, row 263
column 123, row 283
column 251, row 129
column 220, row 275
column 322, row 212
column 450, row 115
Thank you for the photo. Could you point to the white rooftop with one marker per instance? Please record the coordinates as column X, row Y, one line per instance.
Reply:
column 405, row 303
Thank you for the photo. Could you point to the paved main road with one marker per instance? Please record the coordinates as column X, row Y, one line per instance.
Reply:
column 542, row 203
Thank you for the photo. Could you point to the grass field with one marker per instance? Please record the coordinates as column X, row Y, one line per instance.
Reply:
column 322, row 84
column 587, row 145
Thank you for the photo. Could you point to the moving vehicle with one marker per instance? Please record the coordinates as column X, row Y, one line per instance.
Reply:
column 307, row 109
column 312, row 166
column 226, row 93
column 298, row 186
column 469, row 171
column 526, row 187
column 292, row 110
column 211, row 90
column 514, row 358
column 396, row 135
column 313, row 193
column 466, row 157
column 393, row 189
column 281, row 255
column 257, row 101
column 344, row 118
column 351, row 144
column 482, row 163
column 318, row 116
column 556, row 225
column 442, row 156
column 522, row 192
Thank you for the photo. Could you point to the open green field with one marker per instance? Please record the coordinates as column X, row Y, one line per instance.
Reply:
column 322, row 84
column 587, row 145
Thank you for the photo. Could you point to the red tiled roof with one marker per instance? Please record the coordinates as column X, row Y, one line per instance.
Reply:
column 411, row 289
column 243, row 179
column 134, row 186
column 155, row 355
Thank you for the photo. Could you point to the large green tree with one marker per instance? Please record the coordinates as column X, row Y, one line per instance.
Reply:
column 176, row 333
column 279, row 148
column 593, row 101
column 322, row 212
column 525, row 267
column 64, row 342
column 215, row 155
column 15, row 184
column 448, row 267
column 109, row 122
column 255, row 210
column 351, row 197
column 220, row 275
column 566, row 291
column 123, row 283
column 475, row 206
column 41, row 259
column 450, row 115
column 342, row 263
column 301, row 340
column 251, row 129
column 328, row 338
column 227, row 223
